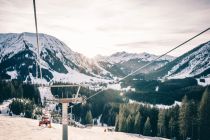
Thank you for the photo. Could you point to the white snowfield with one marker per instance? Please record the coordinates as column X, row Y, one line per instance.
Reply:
column 16, row 128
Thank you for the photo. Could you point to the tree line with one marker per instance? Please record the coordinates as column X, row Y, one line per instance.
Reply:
column 18, row 89
column 190, row 120
column 168, row 91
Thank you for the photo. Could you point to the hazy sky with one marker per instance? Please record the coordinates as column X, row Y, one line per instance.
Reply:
column 103, row 27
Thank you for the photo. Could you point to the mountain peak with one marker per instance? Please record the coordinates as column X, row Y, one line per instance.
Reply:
column 58, row 61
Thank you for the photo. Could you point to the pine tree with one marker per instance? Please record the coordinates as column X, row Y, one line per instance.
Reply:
column 122, row 118
column 147, row 128
column 28, row 108
column 20, row 91
column 88, row 118
column 162, row 123
column 173, row 126
column 184, row 118
column 129, row 124
column 193, row 113
column 122, row 123
column 117, row 123
column 174, row 122
column 204, row 112
column 137, row 123
column 12, row 88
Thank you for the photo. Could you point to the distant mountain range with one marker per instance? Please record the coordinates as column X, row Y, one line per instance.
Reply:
column 123, row 63
column 59, row 63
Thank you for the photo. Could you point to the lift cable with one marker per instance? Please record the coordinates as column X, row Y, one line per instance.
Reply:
column 38, row 47
column 103, row 89
column 130, row 74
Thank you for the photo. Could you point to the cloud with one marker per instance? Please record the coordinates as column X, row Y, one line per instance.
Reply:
column 101, row 27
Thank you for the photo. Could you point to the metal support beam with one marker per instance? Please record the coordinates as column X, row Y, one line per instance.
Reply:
column 65, row 120
column 52, row 86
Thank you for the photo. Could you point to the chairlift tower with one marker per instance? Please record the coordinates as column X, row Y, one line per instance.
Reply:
column 65, row 102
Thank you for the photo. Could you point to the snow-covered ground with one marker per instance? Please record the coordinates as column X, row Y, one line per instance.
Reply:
column 16, row 128
column 207, row 81
column 161, row 106
column 74, row 76
column 4, row 107
column 114, row 86
column 45, row 93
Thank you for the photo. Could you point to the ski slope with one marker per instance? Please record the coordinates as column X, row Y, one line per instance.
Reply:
column 17, row 128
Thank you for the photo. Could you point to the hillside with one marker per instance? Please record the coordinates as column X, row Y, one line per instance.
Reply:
column 18, row 53
column 195, row 63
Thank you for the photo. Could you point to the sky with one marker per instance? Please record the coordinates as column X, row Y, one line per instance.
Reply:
column 93, row 27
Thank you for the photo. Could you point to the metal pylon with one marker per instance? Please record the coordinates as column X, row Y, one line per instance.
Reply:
column 65, row 102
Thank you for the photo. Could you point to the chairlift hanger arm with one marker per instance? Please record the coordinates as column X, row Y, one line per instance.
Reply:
column 77, row 94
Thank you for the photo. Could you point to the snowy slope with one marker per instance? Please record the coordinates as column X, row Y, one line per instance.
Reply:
column 16, row 128
column 195, row 63
column 18, row 53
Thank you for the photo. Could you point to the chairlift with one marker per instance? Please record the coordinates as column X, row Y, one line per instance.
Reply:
column 46, row 119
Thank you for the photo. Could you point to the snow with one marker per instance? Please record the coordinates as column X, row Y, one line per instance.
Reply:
column 161, row 106
column 16, row 128
column 121, row 57
column 193, row 63
column 7, row 46
column 207, row 81
column 13, row 74
column 114, row 86
column 12, row 44
column 74, row 76
column 129, row 88
column 37, row 80
column 45, row 92
column 157, row 88
column 168, row 106
column 5, row 106
column 118, row 87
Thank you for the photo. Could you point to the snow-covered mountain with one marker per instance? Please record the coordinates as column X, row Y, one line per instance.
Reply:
column 18, row 54
column 121, row 57
column 195, row 63
column 122, row 63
